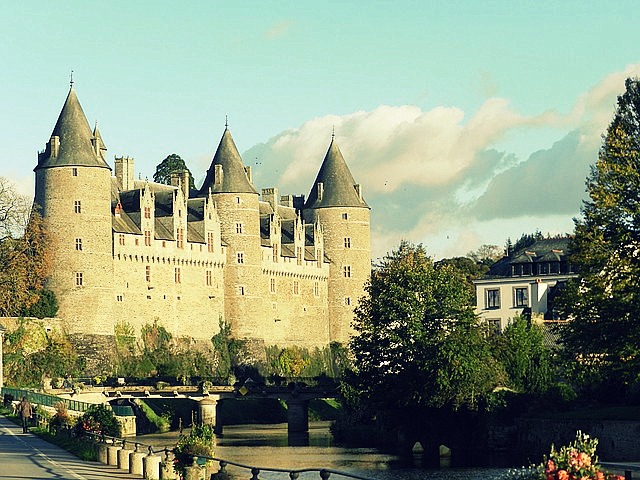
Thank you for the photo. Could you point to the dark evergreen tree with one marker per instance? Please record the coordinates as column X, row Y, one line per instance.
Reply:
column 602, row 340
column 172, row 164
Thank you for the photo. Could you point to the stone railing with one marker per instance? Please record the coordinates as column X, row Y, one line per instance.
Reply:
column 157, row 463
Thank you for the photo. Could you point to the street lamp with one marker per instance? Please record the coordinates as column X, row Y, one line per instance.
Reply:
column 2, row 330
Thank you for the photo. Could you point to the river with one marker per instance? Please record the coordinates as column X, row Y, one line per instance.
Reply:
column 268, row 446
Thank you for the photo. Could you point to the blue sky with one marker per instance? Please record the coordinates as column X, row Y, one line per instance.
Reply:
column 465, row 122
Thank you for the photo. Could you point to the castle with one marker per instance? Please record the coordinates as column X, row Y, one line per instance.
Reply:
column 279, row 269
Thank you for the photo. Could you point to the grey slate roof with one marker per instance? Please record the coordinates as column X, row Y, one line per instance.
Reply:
column 234, row 178
column 75, row 136
column 544, row 250
column 338, row 184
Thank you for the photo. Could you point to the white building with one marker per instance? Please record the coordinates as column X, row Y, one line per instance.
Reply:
column 525, row 283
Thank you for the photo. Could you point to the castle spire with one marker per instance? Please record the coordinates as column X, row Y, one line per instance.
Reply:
column 334, row 186
column 72, row 142
column 227, row 172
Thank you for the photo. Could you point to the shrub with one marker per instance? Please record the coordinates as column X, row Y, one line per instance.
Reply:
column 198, row 443
column 99, row 419
column 61, row 418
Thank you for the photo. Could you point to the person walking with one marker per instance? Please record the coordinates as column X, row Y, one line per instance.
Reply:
column 26, row 410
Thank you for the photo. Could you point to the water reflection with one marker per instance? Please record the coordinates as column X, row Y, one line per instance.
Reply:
column 270, row 446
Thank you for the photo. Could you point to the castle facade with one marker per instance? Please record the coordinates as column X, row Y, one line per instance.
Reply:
column 284, row 270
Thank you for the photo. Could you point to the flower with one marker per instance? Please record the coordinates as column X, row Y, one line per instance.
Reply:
column 576, row 461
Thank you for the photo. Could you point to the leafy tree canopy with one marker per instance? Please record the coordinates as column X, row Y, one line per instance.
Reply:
column 602, row 338
column 25, row 262
column 525, row 357
column 418, row 340
column 172, row 164
column 486, row 254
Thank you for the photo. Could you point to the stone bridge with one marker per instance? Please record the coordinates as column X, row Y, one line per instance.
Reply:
column 295, row 396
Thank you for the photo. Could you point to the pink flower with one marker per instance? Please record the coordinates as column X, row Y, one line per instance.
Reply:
column 563, row 475
column 551, row 466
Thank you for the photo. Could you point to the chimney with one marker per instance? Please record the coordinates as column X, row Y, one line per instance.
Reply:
column 185, row 183
column 270, row 195
column 124, row 172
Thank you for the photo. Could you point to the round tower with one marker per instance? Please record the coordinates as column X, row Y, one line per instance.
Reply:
column 236, row 200
column 73, row 194
column 336, row 202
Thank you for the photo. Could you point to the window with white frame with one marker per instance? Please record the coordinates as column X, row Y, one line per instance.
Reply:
column 492, row 298
column 520, row 297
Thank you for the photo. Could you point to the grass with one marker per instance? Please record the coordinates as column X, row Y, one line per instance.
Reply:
column 81, row 448
column 161, row 422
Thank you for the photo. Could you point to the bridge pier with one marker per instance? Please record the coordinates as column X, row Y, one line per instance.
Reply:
column 208, row 413
column 297, row 415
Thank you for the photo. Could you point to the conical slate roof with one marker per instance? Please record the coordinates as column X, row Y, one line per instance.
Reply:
column 75, row 136
column 234, row 178
column 339, row 188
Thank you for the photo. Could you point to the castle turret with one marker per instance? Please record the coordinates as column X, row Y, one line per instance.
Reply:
column 236, row 201
column 336, row 203
column 73, row 193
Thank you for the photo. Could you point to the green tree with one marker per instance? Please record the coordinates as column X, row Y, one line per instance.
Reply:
column 486, row 254
column 469, row 268
column 418, row 340
column 524, row 355
column 172, row 164
column 601, row 340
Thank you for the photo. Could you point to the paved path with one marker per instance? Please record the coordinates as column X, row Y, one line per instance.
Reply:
column 24, row 456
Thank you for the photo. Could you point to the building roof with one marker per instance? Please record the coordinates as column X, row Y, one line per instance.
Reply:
column 544, row 250
column 76, row 139
column 234, row 177
column 338, row 186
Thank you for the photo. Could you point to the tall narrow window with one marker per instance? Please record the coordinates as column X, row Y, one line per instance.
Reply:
column 240, row 257
column 79, row 244
column 79, row 279
column 77, row 206
column 272, row 285
column 345, row 216
column 316, row 289
column 74, row 171
column 147, row 238
column 238, row 228
column 296, row 287
column 347, row 242
column 147, row 212
column 176, row 275
column 520, row 297
column 275, row 253
column 121, row 239
column 147, row 273
column 208, row 278
column 210, row 242
column 346, row 271
column 347, row 301
column 492, row 298
column 299, row 255
column 180, row 238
